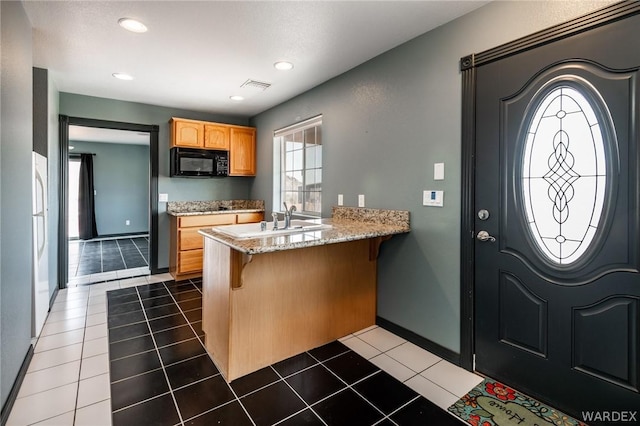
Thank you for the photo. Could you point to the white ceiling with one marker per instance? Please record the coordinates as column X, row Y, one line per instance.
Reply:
column 198, row 53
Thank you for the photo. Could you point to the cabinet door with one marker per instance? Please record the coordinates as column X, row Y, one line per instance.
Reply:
column 242, row 152
column 216, row 137
column 190, row 261
column 188, row 133
column 249, row 217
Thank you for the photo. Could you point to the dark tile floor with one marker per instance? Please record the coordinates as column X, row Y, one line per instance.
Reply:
column 95, row 256
column 161, row 374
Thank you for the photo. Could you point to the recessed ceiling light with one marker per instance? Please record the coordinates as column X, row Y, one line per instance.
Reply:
column 122, row 76
column 236, row 98
column 132, row 25
column 283, row 65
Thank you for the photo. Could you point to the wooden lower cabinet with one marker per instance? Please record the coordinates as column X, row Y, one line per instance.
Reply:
column 261, row 309
column 186, row 245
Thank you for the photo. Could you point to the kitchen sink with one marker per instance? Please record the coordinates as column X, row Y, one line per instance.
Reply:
column 252, row 230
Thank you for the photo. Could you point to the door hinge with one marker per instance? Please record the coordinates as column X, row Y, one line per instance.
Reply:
column 473, row 364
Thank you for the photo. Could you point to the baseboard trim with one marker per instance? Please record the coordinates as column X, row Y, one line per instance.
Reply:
column 418, row 340
column 114, row 236
column 11, row 399
column 53, row 297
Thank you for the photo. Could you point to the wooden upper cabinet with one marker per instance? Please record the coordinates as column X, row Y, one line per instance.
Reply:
column 240, row 141
column 216, row 136
column 187, row 133
column 242, row 152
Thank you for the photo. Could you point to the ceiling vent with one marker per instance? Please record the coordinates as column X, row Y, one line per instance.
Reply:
column 255, row 84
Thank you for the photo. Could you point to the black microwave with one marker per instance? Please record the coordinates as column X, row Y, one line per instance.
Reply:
column 193, row 162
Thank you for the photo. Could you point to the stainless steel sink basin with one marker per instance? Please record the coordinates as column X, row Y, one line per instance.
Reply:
column 252, row 230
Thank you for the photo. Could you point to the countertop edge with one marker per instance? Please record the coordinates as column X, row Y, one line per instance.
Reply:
column 200, row 213
column 339, row 233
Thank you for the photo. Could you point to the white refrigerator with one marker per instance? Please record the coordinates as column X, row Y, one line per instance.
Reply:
column 40, row 245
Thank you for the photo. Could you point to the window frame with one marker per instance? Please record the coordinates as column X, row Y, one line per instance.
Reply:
column 279, row 164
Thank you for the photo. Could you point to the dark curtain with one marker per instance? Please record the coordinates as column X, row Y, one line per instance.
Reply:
column 86, row 202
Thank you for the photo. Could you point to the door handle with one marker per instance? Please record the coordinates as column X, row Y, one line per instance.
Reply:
column 484, row 236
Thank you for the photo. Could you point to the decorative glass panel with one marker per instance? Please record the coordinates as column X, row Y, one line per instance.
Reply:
column 564, row 174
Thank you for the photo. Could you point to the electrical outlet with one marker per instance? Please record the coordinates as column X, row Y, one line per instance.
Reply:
column 340, row 199
column 361, row 200
column 127, row 222
column 163, row 197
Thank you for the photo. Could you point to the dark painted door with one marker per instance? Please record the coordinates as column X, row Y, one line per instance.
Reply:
column 557, row 297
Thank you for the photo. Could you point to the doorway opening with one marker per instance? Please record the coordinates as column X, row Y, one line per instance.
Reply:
column 108, row 217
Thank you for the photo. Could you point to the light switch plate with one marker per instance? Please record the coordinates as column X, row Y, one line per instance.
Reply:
column 361, row 200
column 433, row 198
column 163, row 198
column 438, row 171
column 340, row 199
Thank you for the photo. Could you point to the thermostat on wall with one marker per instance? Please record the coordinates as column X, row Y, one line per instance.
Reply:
column 433, row 198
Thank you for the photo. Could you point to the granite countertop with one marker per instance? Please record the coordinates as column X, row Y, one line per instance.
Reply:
column 347, row 224
column 194, row 208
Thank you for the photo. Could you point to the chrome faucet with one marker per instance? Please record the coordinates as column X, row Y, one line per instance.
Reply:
column 288, row 212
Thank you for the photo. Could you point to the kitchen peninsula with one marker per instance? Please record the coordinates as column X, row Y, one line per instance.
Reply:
column 269, row 298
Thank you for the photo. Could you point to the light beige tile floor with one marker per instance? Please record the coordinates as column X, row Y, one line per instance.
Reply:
column 437, row 380
column 67, row 382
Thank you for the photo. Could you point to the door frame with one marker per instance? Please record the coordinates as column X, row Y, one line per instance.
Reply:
column 63, row 248
column 468, row 69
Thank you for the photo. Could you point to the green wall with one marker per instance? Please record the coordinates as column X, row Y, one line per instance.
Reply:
column 385, row 123
column 121, row 181
column 179, row 189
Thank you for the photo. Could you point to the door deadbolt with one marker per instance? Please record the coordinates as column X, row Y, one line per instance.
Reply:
column 483, row 214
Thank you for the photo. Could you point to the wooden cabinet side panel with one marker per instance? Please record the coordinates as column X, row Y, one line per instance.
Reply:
column 295, row 300
column 173, row 245
column 216, row 303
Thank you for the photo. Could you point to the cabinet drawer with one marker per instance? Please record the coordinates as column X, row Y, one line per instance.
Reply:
column 190, row 261
column 206, row 220
column 250, row 217
column 189, row 239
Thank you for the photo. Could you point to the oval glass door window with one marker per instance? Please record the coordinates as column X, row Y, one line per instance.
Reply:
column 564, row 173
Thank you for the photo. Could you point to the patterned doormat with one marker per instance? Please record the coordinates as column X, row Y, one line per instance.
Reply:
column 493, row 404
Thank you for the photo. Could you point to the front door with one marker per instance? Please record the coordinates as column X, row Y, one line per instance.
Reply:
column 557, row 281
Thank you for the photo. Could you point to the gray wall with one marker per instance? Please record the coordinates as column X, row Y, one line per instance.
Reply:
column 121, row 181
column 15, row 192
column 179, row 189
column 385, row 123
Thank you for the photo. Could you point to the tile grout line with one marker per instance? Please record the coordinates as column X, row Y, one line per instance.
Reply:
column 124, row 262
column 298, row 395
column 140, row 251
column 205, row 348
column 164, row 372
column 414, row 371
